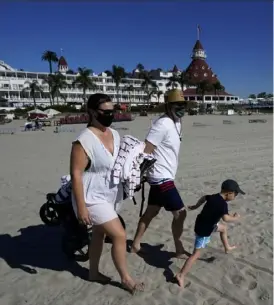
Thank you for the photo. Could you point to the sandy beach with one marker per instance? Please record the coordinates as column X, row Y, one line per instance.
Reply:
column 32, row 164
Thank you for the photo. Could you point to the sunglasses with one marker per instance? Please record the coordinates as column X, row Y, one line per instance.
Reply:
column 178, row 107
column 107, row 111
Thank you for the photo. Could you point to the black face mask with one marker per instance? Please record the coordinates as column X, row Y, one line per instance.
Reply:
column 105, row 118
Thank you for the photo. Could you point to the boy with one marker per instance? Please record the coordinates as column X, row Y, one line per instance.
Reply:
column 207, row 222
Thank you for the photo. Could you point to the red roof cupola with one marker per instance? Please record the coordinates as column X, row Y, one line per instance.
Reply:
column 62, row 61
column 199, row 70
column 62, row 65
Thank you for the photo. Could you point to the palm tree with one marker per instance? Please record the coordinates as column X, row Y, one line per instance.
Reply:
column 56, row 83
column 117, row 74
column 159, row 93
column 252, row 96
column 148, row 85
column 32, row 88
column 173, row 81
column 129, row 89
column 202, row 88
column 84, row 81
column 50, row 57
column 70, row 71
column 218, row 87
column 261, row 95
column 153, row 91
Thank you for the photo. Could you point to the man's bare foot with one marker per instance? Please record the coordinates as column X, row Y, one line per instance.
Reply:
column 99, row 278
column 133, row 287
column 135, row 249
column 180, row 279
column 227, row 250
column 182, row 255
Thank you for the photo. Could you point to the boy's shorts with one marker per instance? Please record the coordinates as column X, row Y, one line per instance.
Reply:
column 202, row 241
column 165, row 195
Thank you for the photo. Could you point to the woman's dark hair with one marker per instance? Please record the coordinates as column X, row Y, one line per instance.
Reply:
column 96, row 99
column 93, row 103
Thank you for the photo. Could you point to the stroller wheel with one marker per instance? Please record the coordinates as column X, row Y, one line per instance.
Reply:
column 108, row 239
column 49, row 215
column 75, row 248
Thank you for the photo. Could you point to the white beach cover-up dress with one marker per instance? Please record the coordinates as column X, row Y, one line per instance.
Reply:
column 100, row 192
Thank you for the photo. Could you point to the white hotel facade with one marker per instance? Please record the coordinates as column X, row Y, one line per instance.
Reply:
column 12, row 83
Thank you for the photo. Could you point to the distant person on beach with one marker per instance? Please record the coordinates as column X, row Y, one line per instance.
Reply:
column 93, row 194
column 163, row 141
column 207, row 222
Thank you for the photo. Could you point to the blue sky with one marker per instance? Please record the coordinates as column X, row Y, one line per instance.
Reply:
column 236, row 36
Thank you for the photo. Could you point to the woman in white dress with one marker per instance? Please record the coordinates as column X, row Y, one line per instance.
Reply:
column 93, row 194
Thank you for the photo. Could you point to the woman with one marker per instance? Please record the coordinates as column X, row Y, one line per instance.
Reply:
column 93, row 194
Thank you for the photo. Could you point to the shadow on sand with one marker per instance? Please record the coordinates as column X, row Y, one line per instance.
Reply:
column 40, row 247
column 37, row 247
column 158, row 258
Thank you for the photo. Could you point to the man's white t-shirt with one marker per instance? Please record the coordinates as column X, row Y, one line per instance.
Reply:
column 165, row 135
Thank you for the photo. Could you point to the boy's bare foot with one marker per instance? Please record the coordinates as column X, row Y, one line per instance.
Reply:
column 133, row 287
column 99, row 278
column 227, row 250
column 180, row 279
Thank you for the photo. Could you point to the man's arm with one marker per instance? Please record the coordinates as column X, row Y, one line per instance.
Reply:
column 200, row 202
column 149, row 148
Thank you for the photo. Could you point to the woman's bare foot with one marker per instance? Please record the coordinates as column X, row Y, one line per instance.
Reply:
column 133, row 287
column 227, row 250
column 99, row 278
column 180, row 279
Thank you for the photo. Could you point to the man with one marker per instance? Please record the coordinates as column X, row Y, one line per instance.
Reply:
column 163, row 141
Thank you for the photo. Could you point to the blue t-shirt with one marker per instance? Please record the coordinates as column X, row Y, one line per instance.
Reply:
column 214, row 209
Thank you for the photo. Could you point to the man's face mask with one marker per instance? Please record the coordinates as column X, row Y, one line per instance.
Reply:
column 178, row 110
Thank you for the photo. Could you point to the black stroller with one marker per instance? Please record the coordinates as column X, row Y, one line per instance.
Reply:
column 76, row 237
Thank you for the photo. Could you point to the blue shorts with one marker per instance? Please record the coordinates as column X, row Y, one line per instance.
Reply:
column 202, row 241
column 165, row 195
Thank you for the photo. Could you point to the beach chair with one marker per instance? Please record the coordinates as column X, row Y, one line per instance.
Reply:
column 227, row 122
column 7, row 130
column 257, row 121
column 197, row 124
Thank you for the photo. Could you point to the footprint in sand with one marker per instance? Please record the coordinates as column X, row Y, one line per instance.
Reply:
column 264, row 296
column 237, row 280
column 252, row 285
